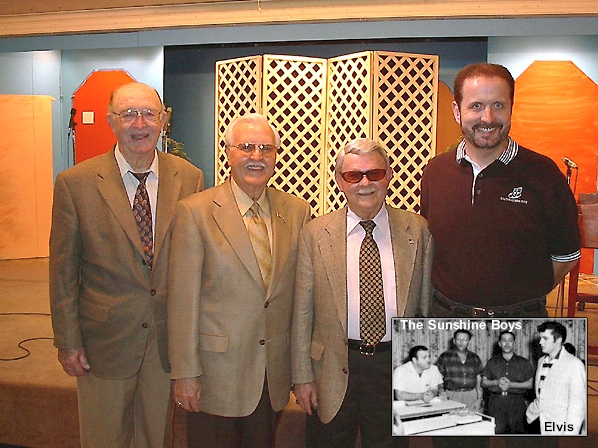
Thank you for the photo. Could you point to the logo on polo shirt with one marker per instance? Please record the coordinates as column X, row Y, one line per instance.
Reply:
column 515, row 196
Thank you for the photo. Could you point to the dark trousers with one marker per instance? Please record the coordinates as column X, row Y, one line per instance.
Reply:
column 257, row 430
column 508, row 412
column 367, row 408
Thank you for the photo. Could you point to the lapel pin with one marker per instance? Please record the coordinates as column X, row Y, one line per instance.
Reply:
column 279, row 216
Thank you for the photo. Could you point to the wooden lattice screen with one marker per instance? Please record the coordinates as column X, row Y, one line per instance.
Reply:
column 319, row 105
column 294, row 101
column 238, row 92
column 349, row 113
column 404, row 119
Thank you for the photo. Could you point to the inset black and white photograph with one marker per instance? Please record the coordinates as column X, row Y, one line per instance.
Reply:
column 489, row 376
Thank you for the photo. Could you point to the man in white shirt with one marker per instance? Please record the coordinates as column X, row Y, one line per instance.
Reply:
column 341, row 357
column 418, row 378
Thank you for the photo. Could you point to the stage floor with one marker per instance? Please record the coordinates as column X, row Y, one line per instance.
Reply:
column 38, row 401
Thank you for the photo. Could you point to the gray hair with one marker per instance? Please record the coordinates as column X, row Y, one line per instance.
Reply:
column 358, row 147
column 249, row 118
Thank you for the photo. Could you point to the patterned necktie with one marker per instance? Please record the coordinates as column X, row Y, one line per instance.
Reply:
column 143, row 217
column 372, row 317
column 258, row 234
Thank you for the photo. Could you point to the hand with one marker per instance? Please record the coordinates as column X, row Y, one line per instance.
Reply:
column 397, row 425
column 504, row 384
column 73, row 361
column 187, row 392
column 478, row 405
column 307, row 396
column 427, row 396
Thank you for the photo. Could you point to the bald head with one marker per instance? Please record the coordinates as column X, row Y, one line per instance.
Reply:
column 136, row 90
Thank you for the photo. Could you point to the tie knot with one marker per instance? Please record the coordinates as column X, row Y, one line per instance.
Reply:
column 255, row 209
column 368, row 226
column 141, row 177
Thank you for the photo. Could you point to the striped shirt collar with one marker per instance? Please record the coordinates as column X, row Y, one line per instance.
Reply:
column 507, row 155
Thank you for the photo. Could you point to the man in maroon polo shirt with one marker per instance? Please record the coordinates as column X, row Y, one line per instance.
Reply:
column 502, row 216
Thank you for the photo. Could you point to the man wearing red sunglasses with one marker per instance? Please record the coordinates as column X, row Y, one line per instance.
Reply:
column 357, row 268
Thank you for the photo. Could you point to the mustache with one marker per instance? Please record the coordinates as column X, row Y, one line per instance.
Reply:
column 255, row 165
column 368, row 189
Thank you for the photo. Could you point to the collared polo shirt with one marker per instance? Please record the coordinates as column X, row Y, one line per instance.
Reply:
column 497, row 234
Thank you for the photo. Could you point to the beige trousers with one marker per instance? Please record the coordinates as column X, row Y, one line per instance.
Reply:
column 131, row 413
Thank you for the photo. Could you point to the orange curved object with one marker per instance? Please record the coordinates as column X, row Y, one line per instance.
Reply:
column 92, row 133
column 556, row 114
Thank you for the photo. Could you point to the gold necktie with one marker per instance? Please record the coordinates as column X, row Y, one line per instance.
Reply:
column 372, row 317
column 143, row 217
column 258, row 234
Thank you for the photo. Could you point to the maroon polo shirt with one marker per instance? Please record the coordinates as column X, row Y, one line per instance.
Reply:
column 499, row 249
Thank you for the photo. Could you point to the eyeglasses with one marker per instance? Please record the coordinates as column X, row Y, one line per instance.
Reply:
column 354, row 177
column 249, row 148
column 130, row 115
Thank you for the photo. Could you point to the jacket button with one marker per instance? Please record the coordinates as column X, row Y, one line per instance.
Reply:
column 267, row 304
column 153, row 292
column 262, row 342
column 345, row 370
column 145, row 325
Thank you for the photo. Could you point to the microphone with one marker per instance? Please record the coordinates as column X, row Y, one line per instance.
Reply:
column 570, row 163
column 72, row 119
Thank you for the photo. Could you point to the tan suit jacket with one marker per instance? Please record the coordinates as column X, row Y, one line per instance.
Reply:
column 224, row 326
column 319, row 331
column 103, row 296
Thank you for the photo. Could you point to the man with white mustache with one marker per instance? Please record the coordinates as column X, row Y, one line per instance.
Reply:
column 232, row 268
column 503, row 217
column 342, row 371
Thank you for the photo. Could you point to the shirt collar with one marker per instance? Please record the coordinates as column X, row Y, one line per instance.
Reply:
column 124, row 167
column 507, row 155
column 557, row 356
column 244, row 202
column 381, row 220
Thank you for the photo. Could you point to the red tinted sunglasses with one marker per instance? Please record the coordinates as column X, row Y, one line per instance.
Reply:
column 354, row 177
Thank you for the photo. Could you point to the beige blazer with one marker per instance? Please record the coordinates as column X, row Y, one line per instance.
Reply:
column 224, row 326
column 102, row 295
column 561, row 404
column 319, row 329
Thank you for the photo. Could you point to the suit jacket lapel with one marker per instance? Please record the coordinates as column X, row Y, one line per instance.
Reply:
column 404, row 249
column 281, row 235
column 111, row 187
column 229, row 220
column 332, row 243
column 169, row 189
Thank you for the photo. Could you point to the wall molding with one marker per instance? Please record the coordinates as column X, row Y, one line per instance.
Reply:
column 218, row 13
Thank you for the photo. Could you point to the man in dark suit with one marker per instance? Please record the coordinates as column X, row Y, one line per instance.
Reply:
column 342, row 373
column 108, row 275
column 231, row 281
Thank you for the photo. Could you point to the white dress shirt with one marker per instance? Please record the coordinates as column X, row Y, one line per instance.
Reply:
column 131, row 182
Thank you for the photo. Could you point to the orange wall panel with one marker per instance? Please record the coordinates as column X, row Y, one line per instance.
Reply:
column 25, row 176
column 448, row 130
column 556, row 114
